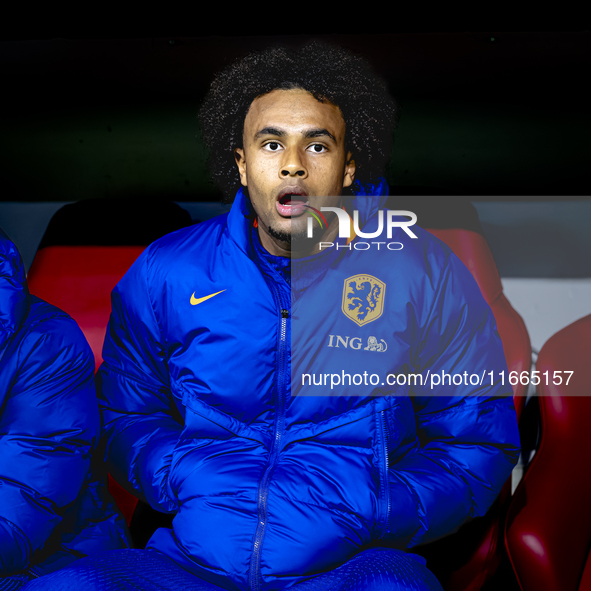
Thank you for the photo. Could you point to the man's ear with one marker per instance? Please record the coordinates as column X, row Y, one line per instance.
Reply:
column 349, row 170
column 241, row 163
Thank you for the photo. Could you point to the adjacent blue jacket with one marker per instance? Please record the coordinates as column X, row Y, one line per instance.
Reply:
column 52, row 498
column 272, row 482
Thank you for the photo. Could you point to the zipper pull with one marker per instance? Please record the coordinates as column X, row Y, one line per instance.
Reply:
column 284, row 313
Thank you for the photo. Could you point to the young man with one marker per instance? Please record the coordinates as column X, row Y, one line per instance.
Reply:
column 52, row 495
column 273, row 484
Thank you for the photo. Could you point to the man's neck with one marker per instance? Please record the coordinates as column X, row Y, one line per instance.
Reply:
column 304, row 248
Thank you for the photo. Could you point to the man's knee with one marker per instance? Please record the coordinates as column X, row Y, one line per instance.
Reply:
column 377, row 569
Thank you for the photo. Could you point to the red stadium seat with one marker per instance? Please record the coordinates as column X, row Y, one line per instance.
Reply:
column 454, row 220
column 477, row 547
column 86, row 250
column 548, row 527
column 472, row 249
column 79, row 280
column 468, row 559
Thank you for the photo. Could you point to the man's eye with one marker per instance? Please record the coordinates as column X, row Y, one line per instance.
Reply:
column 272, row 146
column 317, row 148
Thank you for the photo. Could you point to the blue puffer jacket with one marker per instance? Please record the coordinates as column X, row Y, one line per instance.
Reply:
column 270, row 482
column 52, row 503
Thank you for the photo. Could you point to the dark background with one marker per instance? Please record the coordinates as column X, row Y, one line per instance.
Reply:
column 500, row 117
column 484, row 114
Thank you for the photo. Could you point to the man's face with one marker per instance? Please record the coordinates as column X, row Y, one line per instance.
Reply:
column 293, row 155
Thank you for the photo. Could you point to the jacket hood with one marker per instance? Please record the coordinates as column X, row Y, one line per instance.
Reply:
column 14, row 293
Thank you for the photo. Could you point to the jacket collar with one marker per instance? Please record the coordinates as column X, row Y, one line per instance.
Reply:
column 14, row 293
column 367, row 198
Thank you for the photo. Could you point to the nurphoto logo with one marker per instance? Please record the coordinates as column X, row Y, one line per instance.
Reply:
column 345, row 227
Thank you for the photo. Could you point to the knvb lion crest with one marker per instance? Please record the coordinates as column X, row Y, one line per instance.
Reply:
column 363, row 298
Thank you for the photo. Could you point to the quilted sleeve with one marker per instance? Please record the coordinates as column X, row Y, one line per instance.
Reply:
column 468, row 440
column 141, row 423
column 48, row 428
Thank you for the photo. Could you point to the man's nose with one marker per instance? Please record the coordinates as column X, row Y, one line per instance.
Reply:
column 293, row 164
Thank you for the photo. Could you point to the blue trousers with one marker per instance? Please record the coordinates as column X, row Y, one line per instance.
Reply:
column 377, row 569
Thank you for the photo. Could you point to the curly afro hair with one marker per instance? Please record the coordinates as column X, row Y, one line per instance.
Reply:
column 329, row 73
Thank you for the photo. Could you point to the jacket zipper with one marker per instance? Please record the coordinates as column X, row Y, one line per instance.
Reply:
column 385, row 433
column 254, row 578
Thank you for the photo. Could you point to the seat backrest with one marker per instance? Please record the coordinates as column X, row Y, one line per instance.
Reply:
column 87, row 248
column 79, row 280
column 467, row 559
column 472, row 249
column 548, row 528
column 454, row 220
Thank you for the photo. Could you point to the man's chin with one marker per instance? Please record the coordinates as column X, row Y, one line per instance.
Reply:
column 294, row 237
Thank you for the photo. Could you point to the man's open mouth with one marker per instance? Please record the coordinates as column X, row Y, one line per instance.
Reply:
column 291, row 204
column 293, row 199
